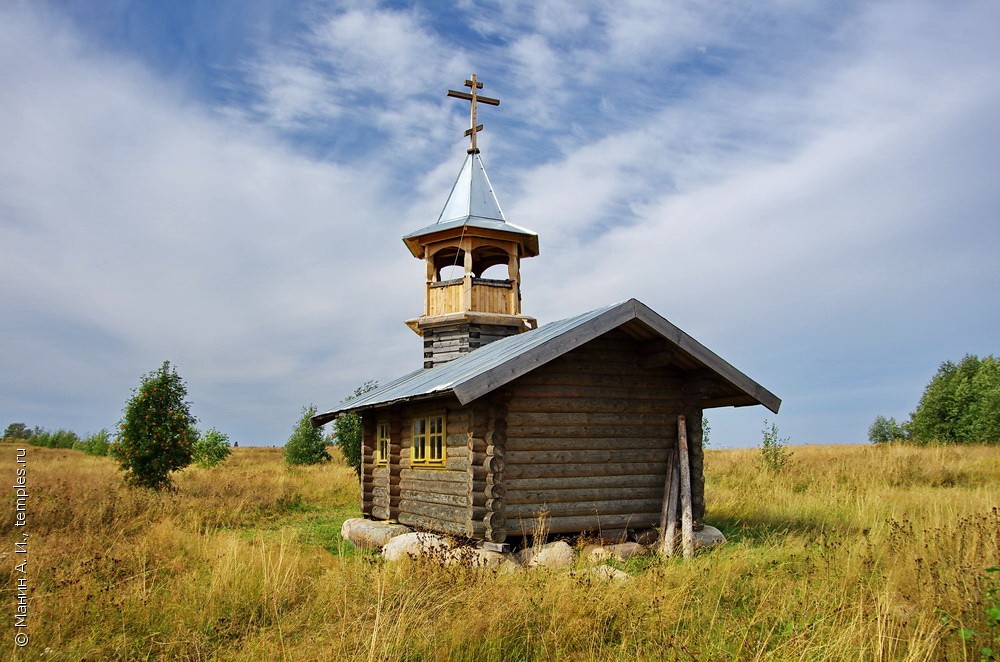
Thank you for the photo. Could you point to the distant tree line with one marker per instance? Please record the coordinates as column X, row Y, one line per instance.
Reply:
column 960, row 405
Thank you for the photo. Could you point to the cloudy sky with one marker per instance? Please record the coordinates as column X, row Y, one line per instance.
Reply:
column 808, row 188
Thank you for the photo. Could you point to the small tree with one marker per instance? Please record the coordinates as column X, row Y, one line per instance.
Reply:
column 884, row 430
column 156, row 434
column 306, row 445
column 773, row 454
column 347, row 430
column 211, row 449
column 98, row 444
column 18, row 431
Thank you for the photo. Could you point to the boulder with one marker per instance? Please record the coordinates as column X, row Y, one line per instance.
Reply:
column 626, row 550
column 556, row 554
column 592, row 554
column 370, row 534
column 415, row 545
column 708, row 538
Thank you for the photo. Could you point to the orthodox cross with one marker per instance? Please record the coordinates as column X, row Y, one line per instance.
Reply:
column 475, row 98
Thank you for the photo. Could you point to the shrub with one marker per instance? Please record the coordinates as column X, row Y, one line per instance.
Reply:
column 306, row 445
column 211, row 449
column 57, row 439
column 773, row 454
column 156, row 434
column 884, row 430
column 98, row 444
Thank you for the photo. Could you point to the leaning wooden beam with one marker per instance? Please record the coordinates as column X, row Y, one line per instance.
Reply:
column 687, row 519
column 668, row 530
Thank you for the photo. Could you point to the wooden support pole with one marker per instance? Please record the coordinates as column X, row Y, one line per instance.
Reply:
column 687, row 519
column 668, row 516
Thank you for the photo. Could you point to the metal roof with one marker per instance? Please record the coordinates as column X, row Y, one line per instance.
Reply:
column 502, row 361
column 473, row 204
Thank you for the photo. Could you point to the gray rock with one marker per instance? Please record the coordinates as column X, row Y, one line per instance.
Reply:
column 553, row 555
column 476, row 557
column 708, row 538
column 416, row 545
column 626, row 550
column 370, row 534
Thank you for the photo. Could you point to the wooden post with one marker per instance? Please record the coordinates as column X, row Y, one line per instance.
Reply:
column 668, row 516
column 687, row 520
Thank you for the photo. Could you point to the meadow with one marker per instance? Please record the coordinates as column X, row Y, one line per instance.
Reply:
column 851, row 552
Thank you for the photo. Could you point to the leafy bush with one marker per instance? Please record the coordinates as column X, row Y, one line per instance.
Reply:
column 98, row 444
column 961, row 403
column 211, row 449
column 56, row 439
column 156, row 434
column 347, row 431
column 884, row 430
column 306, row 445
column 773, row 454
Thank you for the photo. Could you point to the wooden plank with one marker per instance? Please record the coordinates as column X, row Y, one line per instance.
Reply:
column 585, row 388
column 516, row 471
column 581, row 495
column 549, row 377
column 586, row 456
column 596, row 508
column 583, row 443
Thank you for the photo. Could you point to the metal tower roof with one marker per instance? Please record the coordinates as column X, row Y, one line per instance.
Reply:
column 473, row 204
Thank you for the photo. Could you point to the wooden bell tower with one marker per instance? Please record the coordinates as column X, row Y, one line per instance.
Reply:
column 463, row 310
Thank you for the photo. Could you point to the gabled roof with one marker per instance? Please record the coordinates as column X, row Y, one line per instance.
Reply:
column 503, row 361
column 473, row 204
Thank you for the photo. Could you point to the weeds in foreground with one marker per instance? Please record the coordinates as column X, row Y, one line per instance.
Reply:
column 849, row 553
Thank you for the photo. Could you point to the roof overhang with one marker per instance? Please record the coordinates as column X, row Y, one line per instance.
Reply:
column 503, row 361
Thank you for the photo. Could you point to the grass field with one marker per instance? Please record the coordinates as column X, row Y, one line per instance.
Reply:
column 851, row 553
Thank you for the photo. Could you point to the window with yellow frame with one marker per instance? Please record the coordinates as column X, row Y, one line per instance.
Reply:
column 429, row 448
column 382, row 443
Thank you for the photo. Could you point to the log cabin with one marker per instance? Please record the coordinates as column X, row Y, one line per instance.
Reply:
column 509, row 427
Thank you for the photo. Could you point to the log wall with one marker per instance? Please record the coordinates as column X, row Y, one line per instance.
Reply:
column 587, row 441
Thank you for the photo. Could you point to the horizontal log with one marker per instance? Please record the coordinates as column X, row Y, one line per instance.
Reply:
column 451, row 487
column 586, row 456
column 521, row 419
column 567, row 470
column 468, row 529
column 446, row 513
column 576, row 524
column 495, row 520
column 495, row 491
column 569, row 404
column 380, row 502
column 380, row 512
column 574, row 387
column 461, row 500
column 585, row 443
column 544, row 377
column 599, row 508
column 584, row 482
column 583, row 495
column 432, row 475
column 383, row 492
column 586, row 430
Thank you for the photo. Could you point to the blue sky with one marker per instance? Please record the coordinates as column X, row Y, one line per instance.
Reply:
column 809, row 189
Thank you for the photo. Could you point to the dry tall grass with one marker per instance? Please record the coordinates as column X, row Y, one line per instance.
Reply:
column 851, row 553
